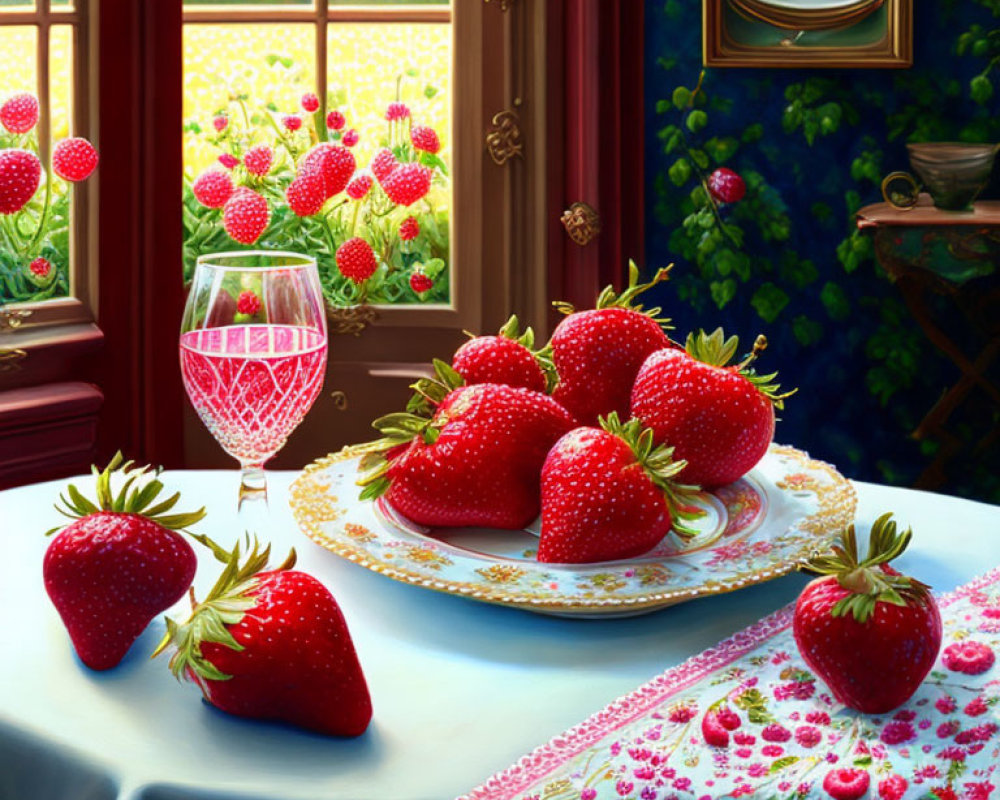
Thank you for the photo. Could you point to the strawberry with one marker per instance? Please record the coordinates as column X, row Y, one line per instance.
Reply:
column 213, row 188
column 351, row 138
column 397, row 110
column 273, row 645
column 19, row 113
column 292, row 122
column 424, row 138
column 407, row 184
column 869, row 632
column 726, row 186
column 334, row 163
column 383, row 164
column 608, row 493
column 74, row 159
column 258, row 159
column 310, row 102
column 306, row 194
column 719, row 419
column 335, row 120
column 476, row 462
column 359, row 186
column 40, row 272
column 119, row 564
column 846, row 783
column 718, row 721
column 228, row 160
column 20, row 174
column 421, row 282
column 356, row 260
column 220, row 122
column 245, row 215
column 598, row 352
column 409, row 229
column 506, row 358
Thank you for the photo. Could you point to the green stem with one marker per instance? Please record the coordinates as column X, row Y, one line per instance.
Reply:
column 354, row 217
column 45, row 213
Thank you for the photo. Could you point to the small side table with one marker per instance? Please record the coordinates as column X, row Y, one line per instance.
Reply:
column 927, row 251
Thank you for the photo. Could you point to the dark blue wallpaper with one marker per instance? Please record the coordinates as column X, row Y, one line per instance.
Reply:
column 838, row 330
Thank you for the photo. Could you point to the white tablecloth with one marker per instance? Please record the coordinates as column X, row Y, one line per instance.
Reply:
column 460, row 689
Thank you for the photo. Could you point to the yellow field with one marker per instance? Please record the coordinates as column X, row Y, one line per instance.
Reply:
column 17, row 43
column 221, row 61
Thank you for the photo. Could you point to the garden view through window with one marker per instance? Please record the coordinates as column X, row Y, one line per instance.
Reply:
column 326, row 130
column 40, row 107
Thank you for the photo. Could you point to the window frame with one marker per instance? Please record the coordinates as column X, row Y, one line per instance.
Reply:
column 462, row 310
column 80, row 305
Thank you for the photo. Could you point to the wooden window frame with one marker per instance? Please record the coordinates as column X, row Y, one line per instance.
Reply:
column 462, row 308
column 19, row 319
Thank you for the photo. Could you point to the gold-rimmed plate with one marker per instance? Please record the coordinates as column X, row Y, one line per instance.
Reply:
column 802, row 15
column 788, row 508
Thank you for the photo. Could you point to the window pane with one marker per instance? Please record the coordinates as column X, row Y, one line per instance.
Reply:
column 248, row 3
column 242, row 83
column 413, row 67
column 20, row 5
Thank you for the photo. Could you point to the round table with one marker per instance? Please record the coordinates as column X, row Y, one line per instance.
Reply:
column 460, row 689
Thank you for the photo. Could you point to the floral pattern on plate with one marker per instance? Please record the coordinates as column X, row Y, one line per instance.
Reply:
column 943, row 744
column 788, row 508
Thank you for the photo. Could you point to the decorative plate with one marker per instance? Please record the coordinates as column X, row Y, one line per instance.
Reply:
column 788, row 508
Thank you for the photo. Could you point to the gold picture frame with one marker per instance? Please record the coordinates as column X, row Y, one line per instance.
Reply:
column 740, row 33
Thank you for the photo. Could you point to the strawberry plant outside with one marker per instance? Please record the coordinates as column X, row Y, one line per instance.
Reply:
column 388, row 180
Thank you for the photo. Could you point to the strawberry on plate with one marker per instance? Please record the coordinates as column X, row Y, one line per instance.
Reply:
column 475, row 462
column 718, row 418
column 273, row 645
column 869, row 632
column 598, row 352
column 118, row 564
column 505, row 358
column 609, row 493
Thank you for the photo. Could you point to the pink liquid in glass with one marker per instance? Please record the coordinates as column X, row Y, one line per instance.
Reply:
column 253, row 384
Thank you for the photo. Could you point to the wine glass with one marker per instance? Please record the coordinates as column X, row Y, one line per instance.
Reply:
column 253, row 349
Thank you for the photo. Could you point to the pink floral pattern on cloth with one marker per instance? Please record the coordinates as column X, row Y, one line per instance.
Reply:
column 775, row 730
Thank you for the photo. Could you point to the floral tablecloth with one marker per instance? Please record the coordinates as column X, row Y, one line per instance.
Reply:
column 943, row 743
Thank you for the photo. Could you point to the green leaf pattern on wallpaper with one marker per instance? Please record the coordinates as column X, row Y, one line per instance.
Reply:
column 748, row 253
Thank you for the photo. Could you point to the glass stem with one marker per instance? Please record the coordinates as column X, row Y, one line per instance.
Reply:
column 253, row 489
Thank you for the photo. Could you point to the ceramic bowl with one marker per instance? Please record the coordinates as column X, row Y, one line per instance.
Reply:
column 953, row 173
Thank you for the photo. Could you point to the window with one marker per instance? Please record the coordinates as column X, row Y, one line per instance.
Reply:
column 274, row 92
column 44, row 246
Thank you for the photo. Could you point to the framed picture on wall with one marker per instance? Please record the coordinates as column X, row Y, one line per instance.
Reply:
column 808, row 33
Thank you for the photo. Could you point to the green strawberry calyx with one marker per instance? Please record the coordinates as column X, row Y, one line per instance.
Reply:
column 228, row 601
column 867, row 583
column 609, row 298
column 429, row 392
column 661, row 468
column 141, row 487
column 716, row 350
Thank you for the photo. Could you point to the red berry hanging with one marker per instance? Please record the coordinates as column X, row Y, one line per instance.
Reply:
column 19, row 114
column 248, row 303
column 213, row 188
column 292, row 122
column 310, row 102
column 409, row 229
column 20, row 174
column 74, row 159
column 726, row 186
column 229, row 161
column 220, row 122
column 335, row 120
column 420, row 282
column 40, row 267
column 396, row 111
column 258, row 160
column 359, row 186
column 306, row 194
column 383, row 164
column 351, row 138
column 407, row 184
column 356, row 260
column 425, row 139
column 245, row 216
